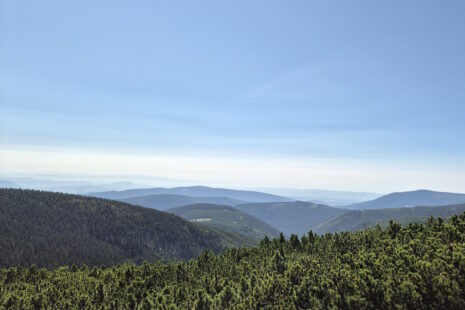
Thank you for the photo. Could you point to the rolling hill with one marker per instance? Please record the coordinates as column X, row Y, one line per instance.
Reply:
column 167, row 201
column 53, row 229
column 193, row 191
column 410, row 199
column 291, row 217
column 360, row 219
column 228, row 219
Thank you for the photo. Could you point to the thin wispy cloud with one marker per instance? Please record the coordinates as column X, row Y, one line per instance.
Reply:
column 289, row 77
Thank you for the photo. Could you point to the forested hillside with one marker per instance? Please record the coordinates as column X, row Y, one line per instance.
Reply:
column 168, row 201
column 412, row 267
column 410, row 199
column 297, row 217
column 227, row 219
column 53, row 229
column 360, row 219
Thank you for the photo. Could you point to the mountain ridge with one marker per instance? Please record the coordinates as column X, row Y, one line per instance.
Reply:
column 297, row 217
column 422, row 197
column 164, row 202
column 193, row 191
column 228, row 219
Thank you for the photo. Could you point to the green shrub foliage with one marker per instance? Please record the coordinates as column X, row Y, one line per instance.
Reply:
column 420, row 266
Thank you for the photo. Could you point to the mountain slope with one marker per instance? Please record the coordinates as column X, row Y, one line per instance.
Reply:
column 291, row 217
column 167, row 201
column 410, row 199
column 227, row 219
column 53, row 229
column 193, row 191
column 359, row 219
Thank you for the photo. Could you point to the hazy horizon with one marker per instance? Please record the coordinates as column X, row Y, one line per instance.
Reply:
column 334, row 96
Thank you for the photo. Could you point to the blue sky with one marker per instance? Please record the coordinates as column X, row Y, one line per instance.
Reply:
column 365, row 87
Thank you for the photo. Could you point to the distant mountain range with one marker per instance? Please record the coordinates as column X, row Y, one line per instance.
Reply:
column 360, row 219
column 291, row 217
column 227, row 219
column 325, row 197
column 53, row 229
column 167, row 201
column 410, row 199
column 193, row 191
column 65, row 185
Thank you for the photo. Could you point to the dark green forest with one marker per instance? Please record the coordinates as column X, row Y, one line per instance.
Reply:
column 228, row 220
column 360, row 219
column 52, row 229
column 419, row 266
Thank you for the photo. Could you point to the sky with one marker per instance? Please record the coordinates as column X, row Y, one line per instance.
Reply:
column 346, row 95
